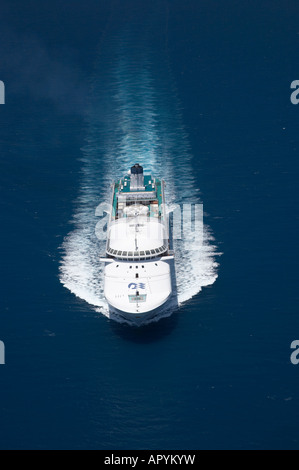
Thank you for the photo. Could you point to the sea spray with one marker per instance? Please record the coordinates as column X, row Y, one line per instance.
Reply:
column 134, row 116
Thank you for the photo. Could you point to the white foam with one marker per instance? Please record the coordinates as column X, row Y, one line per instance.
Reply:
column 140, row 123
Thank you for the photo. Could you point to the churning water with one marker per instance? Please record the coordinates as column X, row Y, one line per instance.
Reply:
column 134, row 116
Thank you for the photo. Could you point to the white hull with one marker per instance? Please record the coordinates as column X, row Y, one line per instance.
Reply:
column 153, row 287
column 138, row 320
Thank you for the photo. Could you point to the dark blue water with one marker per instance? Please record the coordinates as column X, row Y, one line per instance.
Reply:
column 205, row 87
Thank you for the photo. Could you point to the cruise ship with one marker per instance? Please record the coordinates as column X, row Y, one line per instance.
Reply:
column 137, row 274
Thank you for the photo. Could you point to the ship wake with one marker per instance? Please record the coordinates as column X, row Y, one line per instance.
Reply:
column 134, row 116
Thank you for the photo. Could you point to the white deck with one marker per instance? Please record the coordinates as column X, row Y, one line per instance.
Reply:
column 153, row 284
column 136, row 234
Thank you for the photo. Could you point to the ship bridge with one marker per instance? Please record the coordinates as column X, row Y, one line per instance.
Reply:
column 137, row 238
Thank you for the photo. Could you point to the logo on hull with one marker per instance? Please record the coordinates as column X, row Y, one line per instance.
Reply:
column 134, row 285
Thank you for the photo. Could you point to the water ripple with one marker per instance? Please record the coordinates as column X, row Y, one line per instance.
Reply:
column 134, row 116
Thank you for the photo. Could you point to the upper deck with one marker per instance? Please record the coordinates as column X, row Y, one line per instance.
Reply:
column 151, row 195
column 138, row 222
column 149, row 184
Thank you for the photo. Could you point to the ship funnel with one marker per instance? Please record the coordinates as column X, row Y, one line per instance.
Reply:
column 137, row 178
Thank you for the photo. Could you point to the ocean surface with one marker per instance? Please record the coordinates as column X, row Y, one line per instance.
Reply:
column 199, row 94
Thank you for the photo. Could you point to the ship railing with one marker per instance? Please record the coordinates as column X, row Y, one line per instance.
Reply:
column 137, row 255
